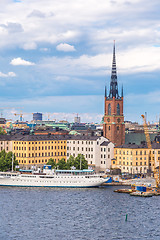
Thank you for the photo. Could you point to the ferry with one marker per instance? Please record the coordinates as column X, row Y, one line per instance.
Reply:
column 59, row 178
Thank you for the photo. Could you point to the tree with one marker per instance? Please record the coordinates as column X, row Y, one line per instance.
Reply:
column 52, row 162
column 80, row 160
column 6, row 161
column 62, row 164
column 70, row 162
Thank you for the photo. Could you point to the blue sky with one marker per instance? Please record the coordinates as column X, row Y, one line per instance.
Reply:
column 56, row 56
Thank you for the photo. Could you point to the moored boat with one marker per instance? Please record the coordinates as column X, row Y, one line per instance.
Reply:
column 59, row 178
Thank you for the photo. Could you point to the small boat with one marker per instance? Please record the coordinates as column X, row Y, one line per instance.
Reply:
column 60, row 178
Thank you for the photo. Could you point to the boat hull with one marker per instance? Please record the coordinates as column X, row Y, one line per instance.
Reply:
column 51, row 181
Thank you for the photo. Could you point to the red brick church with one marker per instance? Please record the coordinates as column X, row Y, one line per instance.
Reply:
column 114, row 127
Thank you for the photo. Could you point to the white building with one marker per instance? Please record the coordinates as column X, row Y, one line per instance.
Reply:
column 98, row 151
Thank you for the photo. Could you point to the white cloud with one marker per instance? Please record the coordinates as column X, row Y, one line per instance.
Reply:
column 9, row 74
column 129, row 61
column 29, row 46
column 65, row 47
column 56, row 21
column 20, row 61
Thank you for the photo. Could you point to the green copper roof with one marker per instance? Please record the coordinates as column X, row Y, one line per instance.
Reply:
column 137, row 138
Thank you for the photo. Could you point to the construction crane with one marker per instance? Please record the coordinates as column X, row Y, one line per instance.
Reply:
column 21, row 115
column 145, row 126
column 149, row 145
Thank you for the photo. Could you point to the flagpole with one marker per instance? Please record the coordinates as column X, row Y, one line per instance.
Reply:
column 12, row 162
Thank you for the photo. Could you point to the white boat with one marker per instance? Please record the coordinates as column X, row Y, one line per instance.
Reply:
column 60, row 178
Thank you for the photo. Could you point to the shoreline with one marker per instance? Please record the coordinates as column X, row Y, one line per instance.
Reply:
column 116, row 184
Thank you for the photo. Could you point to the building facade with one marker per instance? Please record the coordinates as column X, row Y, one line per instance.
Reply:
column 33, row 151
column 98, row 151
column 136, row 159
column 36, row 150
column 114, row 127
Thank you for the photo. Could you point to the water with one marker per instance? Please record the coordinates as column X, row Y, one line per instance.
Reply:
column 72, row 214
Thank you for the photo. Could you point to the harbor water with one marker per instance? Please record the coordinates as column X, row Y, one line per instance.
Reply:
column 72, row 214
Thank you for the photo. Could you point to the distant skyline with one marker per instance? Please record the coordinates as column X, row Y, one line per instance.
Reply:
column 56, row 56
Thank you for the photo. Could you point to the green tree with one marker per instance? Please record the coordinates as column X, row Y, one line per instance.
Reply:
column 70, row 162
column 62, row 164
column 80, row 159
column 52, row 162
column 6, row 161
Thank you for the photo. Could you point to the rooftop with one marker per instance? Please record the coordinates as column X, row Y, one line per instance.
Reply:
column 27, row 137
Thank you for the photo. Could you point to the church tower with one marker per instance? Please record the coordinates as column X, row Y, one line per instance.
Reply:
column 114, row 127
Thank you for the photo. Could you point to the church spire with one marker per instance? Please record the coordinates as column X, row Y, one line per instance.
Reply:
column 113, row 83
column 122, row 91
column 105, row 92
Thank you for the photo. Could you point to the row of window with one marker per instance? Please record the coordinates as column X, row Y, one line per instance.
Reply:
column 131, row 158
column 34, row 161
column 103, row 162
column 39, row 142
column 74, row 155
column 3, row 148
column 78, row 149
column 87, row 149
column 82, row 142
column 130, row 152
column 109, row 109
column 104, row 149
column 4, row 142
column 41, row 154
column 137, row 163
column 40, row 148
column 104, row 156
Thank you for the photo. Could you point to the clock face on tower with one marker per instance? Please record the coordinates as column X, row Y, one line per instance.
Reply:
column 108, row 119
column 118, row 120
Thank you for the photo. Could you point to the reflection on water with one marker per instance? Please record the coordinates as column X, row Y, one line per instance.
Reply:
column 71, row 214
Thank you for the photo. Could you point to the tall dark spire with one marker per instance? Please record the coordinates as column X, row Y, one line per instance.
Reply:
column 105, row 92
column 122, row 91
column 113, row 84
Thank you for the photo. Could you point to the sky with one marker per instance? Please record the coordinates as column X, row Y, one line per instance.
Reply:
column 56, row 57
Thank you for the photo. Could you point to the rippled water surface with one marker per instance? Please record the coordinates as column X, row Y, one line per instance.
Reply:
column 71, row 214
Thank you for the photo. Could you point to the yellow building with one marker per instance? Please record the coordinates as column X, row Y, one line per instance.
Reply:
column 134, row 159
column 34, row 150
